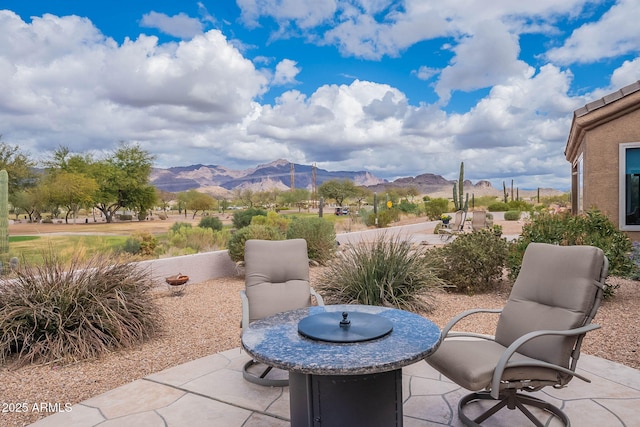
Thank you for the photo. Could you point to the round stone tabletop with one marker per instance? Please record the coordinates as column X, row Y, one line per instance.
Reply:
column 275, row 341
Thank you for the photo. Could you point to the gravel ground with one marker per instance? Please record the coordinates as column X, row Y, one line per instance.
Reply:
column 206, row 320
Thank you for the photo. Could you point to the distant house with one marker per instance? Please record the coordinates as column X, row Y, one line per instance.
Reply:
column 604, row 151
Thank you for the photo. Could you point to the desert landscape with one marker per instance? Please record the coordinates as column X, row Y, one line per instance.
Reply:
column 191, row 329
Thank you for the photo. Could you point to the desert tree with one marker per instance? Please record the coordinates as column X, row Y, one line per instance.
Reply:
column 196, row 201
column 19, row 167
column 71, row 190
column 338, row 190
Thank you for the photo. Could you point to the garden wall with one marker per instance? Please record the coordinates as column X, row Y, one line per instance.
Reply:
column 199, row 267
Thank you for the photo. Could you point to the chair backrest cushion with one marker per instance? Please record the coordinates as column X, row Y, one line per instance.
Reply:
column 556, row 289
column 479, row 220
column 458, row 220
column 276, row 276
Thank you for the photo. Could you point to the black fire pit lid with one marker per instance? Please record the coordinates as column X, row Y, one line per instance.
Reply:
column 344, row 327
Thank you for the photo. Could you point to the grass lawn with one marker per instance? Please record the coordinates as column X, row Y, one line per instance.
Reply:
column 30, row 249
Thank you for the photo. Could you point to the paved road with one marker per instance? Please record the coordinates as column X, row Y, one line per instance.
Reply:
column 421, row 232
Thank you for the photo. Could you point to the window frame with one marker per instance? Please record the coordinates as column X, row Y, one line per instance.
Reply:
column 622, row 186
column 578, row 176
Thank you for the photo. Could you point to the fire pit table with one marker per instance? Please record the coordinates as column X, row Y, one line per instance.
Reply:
column 344, row 361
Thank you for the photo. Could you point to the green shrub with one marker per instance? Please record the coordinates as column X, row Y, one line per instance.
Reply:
column 200, row 239
column 141, row 243
column 407, row 207
column 592, row 228
column 176, row 226
column 237, row 240
column 243, row 218
column 319, row 234
column 635, row 259
column 56, row 312
column 473, row 262
column 272, row 219
column 563, row 199
column 385, row 217
column 370, row 219
column 212, row 222
column 519, row 205
column 498, row 207
column 480, row 201
column 512, row 215
column 132, row 246
column 387, row 271
column 433, row 208
column 197, row 239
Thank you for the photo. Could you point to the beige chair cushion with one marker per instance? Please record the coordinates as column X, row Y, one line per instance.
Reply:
column 479, row 220
column 470, row 363
column 276, row 276
column 555, row 290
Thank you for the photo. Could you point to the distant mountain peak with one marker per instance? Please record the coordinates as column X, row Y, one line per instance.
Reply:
column 276, row 174
column 276, row 163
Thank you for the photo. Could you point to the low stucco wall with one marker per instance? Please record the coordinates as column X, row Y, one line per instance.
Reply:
column 199, row 267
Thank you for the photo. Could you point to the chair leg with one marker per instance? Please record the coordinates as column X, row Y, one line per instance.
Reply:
column 262, row 377
column 512, row 400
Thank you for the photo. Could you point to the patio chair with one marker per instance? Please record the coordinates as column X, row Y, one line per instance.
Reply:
column 479, row 220
column 455, row 227
column 538, row 337
column 276, row 280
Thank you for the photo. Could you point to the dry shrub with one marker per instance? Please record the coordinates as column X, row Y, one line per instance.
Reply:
column 65, row 312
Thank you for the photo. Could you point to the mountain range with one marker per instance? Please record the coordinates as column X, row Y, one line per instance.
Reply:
column 220, row 181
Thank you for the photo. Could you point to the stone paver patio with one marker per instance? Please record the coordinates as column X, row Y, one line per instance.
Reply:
column 211, row 392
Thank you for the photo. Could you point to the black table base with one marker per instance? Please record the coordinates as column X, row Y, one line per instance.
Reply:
column 346, row 400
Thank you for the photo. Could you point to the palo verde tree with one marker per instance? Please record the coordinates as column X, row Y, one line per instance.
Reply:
column 122, row 178
column 361, row 194
column 70, row 190
column 338, row 190
column 245, row 196
column 196, row 201
column 32, row 201
column 297, row 197
column 20, row 169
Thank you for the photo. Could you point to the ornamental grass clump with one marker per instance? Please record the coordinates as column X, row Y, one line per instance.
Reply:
column 389, row 271
column 61, row 313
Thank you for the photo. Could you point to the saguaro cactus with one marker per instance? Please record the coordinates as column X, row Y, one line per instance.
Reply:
column 504, row 191
column 458, row 191
column 4, row 220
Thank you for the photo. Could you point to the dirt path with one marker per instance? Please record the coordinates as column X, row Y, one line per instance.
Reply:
column 154, row 226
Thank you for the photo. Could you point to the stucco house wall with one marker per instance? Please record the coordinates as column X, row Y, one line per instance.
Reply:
column 597, row 130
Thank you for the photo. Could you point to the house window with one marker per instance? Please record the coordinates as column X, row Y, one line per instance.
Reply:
column 629, row 186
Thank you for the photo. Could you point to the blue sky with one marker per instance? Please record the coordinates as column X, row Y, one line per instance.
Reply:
column 395, row 88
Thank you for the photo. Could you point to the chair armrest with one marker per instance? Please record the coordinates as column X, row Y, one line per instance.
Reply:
column 245, row 309
column 503, row 363
column 459, row 317
column 318, row 297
